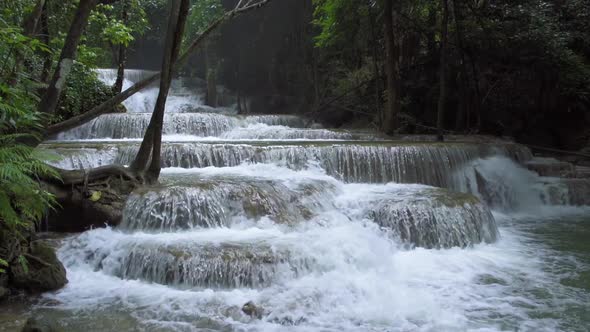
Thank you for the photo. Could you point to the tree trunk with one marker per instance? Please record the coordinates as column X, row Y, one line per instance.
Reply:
column 122, row 56
column 462, row 119
column 392, row 68
column 442, row 97
column 153, row 139
column 375, row 52
column 68, row 55
column 48, row 59
column 32, row 21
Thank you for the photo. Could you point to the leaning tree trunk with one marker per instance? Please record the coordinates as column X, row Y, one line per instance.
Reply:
column 156, row 166
column 444, row 49
column 392, row 68
column 152, row 142
column 122, row 56
column 68, row 55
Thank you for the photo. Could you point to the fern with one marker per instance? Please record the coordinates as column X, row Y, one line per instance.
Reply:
column 3, row 266
column 23, row 263
column 23, row 201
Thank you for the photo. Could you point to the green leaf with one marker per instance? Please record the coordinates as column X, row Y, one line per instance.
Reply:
column 23, row 263
column 96, row 196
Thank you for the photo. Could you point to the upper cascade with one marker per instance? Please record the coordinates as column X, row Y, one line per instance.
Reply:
column 372, row 162
column 206, row 124
column 181, row 98
column 132, row 76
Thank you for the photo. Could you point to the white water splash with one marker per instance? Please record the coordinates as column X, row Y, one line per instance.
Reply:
column 283, row 226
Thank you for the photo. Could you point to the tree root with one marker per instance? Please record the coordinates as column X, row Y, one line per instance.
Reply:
column 37, row 260
column 81, row 177
column 90, row 198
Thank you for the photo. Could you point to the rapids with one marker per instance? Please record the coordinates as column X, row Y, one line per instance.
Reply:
column 325, row 230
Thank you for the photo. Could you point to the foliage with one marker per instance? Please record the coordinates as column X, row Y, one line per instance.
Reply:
column 3, row 266
column 202, row 14
column 23, row 200
column 338, row 21
column 509, row 60
column 13, row 11
column 113, row 25
column 107, row 24
column 83, row 92
column 14, row 45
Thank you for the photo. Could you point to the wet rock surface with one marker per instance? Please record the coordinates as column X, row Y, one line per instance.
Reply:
column 41, row 272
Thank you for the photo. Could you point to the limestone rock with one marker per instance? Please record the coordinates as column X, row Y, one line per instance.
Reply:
column 43, row 271
column 252, row 310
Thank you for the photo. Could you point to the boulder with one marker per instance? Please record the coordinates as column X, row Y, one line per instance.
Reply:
column 252, row 310
column 42, row 271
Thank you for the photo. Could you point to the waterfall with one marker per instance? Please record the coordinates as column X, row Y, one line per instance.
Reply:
column 219, row 201
column 324, row 229
column 188, row 264
column 352, row 162
column 424, row 216
column 144, row 101
column 506, row 185
column 134, row 126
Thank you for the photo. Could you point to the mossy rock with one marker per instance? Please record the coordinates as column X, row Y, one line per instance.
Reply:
column 120, row 109
column 42, row 271
column 452, row 198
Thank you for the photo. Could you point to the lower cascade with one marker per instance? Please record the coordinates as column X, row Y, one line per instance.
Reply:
column 271, row 223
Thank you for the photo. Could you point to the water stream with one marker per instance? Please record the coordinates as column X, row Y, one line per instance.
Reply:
column 324, row 230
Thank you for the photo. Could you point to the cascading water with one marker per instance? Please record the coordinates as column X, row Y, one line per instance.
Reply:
column 323, row 230
column 180, row 100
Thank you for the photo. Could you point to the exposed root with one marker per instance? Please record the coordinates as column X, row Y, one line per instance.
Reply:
column 91, row 198
column 78, row 177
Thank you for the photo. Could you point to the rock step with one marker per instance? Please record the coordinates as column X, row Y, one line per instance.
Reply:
column 583, row 172
column 551, row 167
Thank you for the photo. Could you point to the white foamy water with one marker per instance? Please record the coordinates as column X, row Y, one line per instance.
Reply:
column 361, row 280
column 322, row 235
column 144, row 101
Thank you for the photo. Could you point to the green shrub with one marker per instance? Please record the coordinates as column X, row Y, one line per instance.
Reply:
column 83, row 92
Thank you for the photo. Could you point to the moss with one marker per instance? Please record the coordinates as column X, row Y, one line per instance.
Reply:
column 41, row 272
column 178, row 253
column 451, row 198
